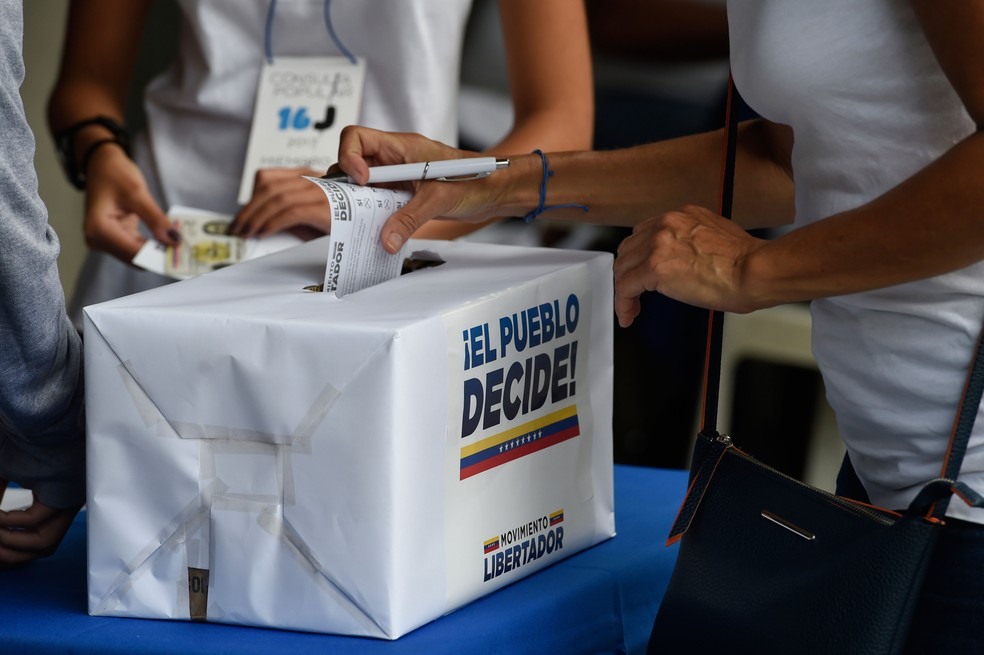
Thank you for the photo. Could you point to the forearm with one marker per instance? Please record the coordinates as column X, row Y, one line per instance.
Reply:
column 50, row 461
column 41, row 396
column 549, row 63
column 546, row 132
column 101, row 43
column 929, row 225
column 624, row 187
column 550, row 131
column 41, row 434
column 619, row 187
column 40, row 352
column 548, row 56
column 76, row 99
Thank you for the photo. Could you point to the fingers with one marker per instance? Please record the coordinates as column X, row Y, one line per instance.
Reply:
column 630, row 281
column 109, row 231
column 631, row 270
column 154, row 218
column 359, row 144
column 32, row 533
column 314, row 217
column 282, row 199
column 12, row 557
column 27, row 519
column 427, row 204
column 117, row 199
column 627, row 305
column 362, row 147
column 398, row 228
column 692, row 255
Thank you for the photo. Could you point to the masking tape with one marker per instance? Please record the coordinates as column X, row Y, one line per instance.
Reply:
column 270, row 518
column 187, row 521
column 220, row 440
column 150, row 414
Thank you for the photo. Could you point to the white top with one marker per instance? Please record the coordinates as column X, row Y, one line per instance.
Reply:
column 199, row 111
column 870, row 106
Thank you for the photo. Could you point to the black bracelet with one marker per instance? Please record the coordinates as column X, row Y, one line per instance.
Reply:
column 65, row 142
column 87, row 155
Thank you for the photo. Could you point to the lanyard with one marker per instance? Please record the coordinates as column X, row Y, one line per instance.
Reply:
column 268, row 33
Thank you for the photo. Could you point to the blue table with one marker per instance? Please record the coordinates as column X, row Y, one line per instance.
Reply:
column 602, row 600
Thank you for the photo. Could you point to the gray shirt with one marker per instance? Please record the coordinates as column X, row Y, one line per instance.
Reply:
column 42, row 444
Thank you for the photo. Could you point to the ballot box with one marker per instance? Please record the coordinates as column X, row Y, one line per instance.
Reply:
column 263, row 454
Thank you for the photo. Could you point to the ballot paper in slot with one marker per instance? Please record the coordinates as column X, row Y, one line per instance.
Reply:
column 359, row 465
column 205, row 245
column 356, row 258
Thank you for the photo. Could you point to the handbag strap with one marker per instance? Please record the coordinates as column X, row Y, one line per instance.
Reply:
column 932, row 501
column 715, row 320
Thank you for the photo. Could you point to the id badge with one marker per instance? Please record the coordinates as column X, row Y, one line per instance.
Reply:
column 302, row 104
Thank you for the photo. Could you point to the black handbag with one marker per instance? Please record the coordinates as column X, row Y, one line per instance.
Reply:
column 768, row 564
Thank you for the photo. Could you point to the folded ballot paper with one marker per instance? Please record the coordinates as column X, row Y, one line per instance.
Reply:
column 356, row 259
column 356, row 464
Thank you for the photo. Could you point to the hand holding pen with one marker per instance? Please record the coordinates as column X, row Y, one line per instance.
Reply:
column 364, row 149
column 449, row 170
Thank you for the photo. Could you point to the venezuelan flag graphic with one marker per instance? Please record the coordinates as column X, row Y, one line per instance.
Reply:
column 491, row 545
column 520, row 441
column 556, row 517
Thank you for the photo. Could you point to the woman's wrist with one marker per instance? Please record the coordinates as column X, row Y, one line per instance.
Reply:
column 520, row 189
column 93, row 149
column 78, row 143
column 763, row 279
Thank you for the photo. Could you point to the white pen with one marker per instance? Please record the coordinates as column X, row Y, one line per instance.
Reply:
column 450, row 170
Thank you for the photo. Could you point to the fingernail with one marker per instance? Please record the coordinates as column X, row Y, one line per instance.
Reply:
column 174, row 235
column 394, row 241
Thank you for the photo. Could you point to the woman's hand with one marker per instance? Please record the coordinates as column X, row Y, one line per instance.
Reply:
column 31, row 533
column 116, row 200
column 471, row 201
column 692, row 255
column 284, row 200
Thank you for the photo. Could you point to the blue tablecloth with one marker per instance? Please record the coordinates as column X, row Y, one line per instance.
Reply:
column 602, row 600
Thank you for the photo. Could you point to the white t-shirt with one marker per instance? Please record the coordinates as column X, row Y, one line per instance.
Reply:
column 199, row 111
column 869, row 107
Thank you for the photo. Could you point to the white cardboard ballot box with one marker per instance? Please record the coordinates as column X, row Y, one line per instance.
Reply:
column 259, row 454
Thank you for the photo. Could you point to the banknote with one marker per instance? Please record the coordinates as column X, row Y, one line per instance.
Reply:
column 205, row 246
